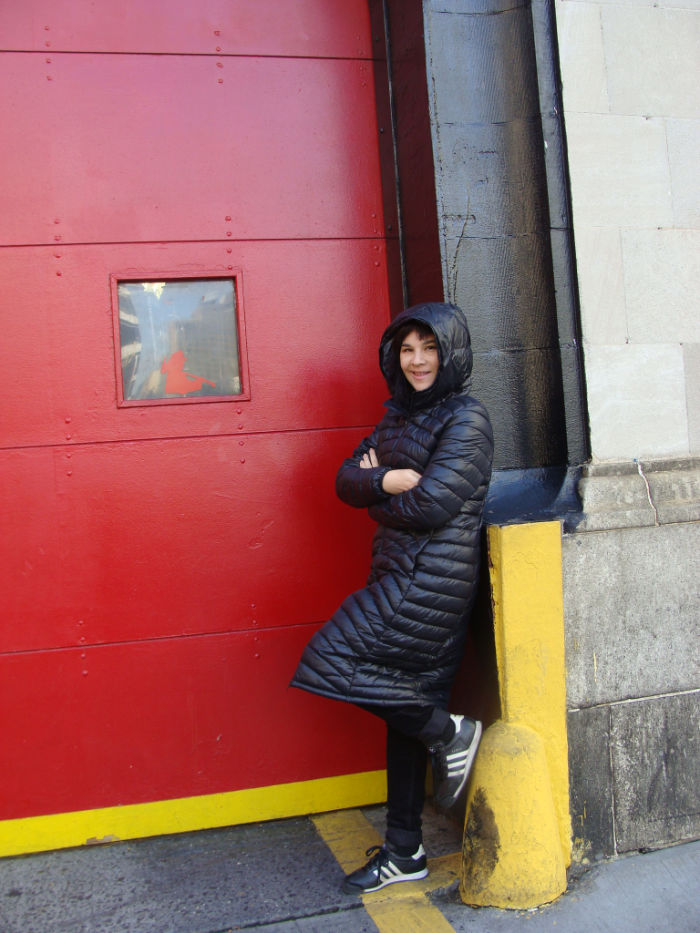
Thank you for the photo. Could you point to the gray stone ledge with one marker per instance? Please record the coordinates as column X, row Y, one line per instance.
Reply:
column 639, row 493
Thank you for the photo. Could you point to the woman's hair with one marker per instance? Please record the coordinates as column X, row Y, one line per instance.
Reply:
column 409, row 327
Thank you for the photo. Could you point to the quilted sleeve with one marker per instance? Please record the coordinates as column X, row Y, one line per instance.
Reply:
column 360, row 487
column 458, row 470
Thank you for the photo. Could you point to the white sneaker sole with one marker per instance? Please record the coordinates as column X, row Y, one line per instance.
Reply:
column 351, row 889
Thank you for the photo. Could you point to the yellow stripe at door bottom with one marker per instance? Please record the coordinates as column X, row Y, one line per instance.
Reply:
column 187, row 814
column 397, row 907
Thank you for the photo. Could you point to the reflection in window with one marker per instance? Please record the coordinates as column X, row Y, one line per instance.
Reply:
column 178, row 339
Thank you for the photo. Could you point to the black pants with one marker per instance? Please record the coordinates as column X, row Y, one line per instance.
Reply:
column 410, row 729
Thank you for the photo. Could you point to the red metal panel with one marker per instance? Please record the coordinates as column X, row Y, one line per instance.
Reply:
column 164, row 565
column 131, row 723
column 319, row 28
column 118, row 148
column 314, row 313
column 153, row 540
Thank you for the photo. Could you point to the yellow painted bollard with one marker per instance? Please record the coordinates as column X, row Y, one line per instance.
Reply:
column 512, row 853
column 517, row 841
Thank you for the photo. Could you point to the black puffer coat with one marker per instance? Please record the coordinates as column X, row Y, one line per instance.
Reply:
column 400, row 639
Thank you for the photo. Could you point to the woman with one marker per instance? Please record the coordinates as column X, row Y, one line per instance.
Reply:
column 393, row 647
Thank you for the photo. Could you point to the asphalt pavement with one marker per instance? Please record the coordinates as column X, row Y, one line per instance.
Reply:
column 284, row 877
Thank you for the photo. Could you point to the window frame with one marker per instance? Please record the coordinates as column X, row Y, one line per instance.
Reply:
column 235, row 275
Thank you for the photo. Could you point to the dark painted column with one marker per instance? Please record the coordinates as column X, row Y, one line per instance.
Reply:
column 492, row 188
column 474, row 147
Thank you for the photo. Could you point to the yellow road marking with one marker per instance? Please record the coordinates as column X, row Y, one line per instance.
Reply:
column 396, row 915
column 348, row 834
column 397, row 907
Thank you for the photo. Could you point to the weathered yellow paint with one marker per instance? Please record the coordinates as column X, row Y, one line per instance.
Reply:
column 520, row 783
column 512, row 852
column 397, row 912
column 348, row 834
column 397, row 907
column 61, row 830
column 529, row 624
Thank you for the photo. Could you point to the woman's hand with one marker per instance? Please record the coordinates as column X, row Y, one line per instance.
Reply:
column 393, row 482
column 369, row 459
column 396, row 481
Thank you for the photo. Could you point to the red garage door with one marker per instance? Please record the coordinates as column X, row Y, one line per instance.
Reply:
column 193, row 286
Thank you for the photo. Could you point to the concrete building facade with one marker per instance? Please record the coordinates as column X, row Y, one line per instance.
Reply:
column 632, row 106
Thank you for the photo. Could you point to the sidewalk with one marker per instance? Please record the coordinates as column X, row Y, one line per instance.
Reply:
column 283, row 877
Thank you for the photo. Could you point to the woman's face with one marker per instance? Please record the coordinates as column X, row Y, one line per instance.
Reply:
column 419, row 360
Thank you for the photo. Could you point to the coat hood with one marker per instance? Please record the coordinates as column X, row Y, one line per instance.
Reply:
column 449, row 325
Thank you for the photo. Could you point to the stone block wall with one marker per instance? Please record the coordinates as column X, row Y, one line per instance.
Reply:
column 632, row 113
column 631, row 99
column 631, row 608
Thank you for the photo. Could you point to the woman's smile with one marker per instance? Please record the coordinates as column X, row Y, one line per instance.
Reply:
column 420, row 360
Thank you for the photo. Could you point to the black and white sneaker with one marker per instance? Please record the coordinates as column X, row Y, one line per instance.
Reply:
column 453, row 762
column 386, row 868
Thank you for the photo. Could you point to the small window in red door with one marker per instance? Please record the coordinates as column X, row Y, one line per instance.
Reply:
column 178, row 339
